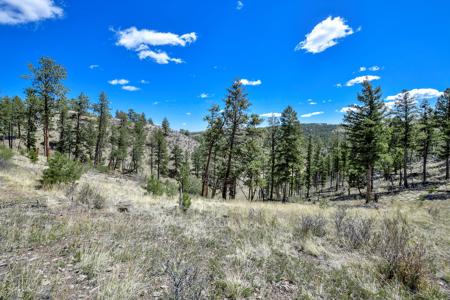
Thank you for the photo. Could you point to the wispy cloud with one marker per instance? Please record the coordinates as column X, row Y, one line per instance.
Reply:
column 270, row 115
column 372, row 68
column 92, row 67
column 361, row 79
column 239, row 5
column 312, row 102
column 204, row 95
column 118, row 81
column 325, row 35
column 309, row 115
column 250, row 82
column 13, row 12
column 140, row 40
column 188, row 113
column 130, row 88
column 143, row 81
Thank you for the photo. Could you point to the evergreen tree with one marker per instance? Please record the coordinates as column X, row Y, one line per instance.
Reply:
column 212, row 136
column 308, row 171
column 160, row 153
column 122, row 141
column 80, row 107
column 64, row 127
column 32, row 105
column 364, row 125
column 443, row 118
column 405, row 111
column 165, row 126
column 197, row 160
column 288, row 152
column 7, row 121
column 103, row 116
column 273, row 138
column 47, row 85
column 426, row 135
column 139, row 136
column 235, row 118
column 18, row 116
column 177, row 160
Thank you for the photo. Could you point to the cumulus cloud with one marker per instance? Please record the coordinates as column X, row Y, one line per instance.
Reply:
column 13, row 12
column 92, row 67
column 347, row 109
column 204, row 95
column 239, row 5
column 130, row 88
column 312, row 114
column 250, row 82
column 418, row 94
column 270, row 115
column 325, row 35
column 361, row 79
column 118, row 81
column 140, row 40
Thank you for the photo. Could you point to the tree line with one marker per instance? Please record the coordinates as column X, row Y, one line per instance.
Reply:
column 237, row 154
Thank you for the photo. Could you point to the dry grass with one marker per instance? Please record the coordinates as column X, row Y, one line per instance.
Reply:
column 52, row 247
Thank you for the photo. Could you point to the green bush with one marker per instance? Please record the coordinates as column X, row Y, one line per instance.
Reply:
column 171, row 189
column 186, row 201
column 90, row 197
column 5, row 154
column 154, row 186
column 61, row 169
column 194, row 186
column 33, row 155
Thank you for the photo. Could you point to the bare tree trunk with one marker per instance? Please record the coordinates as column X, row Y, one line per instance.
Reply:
column 369, row 191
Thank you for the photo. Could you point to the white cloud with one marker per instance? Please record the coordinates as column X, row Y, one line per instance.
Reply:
column 361, row 79
column 312, row 114
column 143, row 81
column 312, row 102
column 338, row 84
column 188, row 113
column 118, row 81
column 347, row 109
column 204, row 95
column 250, row 82
column 270, row 115
column 374, row 68
column 239, row 5
column 325, row 35
column 130, row 88
column 417, row 94
column 92, row 67
column 14, row 12
column 140, row 40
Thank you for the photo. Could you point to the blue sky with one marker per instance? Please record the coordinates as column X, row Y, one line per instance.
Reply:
column 178, row 57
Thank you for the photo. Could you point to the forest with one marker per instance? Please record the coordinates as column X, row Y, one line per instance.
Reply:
column 239, row 153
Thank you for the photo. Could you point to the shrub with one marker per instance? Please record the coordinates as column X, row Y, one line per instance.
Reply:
column 356, row 233
column 403, row 259
column 5, row 155
column 154, row 186
column 314, row 225
column 194, row 187
column 171, row 189
column 61, row 169
column 186, row 203
column 33, row 155
column 90, row 197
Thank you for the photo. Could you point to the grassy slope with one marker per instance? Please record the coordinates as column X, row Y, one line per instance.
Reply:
column 49, row 246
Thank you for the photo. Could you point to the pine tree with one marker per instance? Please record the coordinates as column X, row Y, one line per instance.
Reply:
column 103, row 116
column 160, row 153
column 252, row 157
column 6, row 118
column 177, row 159
column 273, row 138
column 443, row 118
column 235, row 118
column 308, row 171
column 139, row 137
column 64, row 127
column 165, row 126
column 18, row 116
column 122, row 141
column 80, row 106
column 32, row 105
column 426, row 135
column 47, row 85
column 212, row 136
column 288, row 152
column 197, row 160
column 364, row 126
column 405, row 111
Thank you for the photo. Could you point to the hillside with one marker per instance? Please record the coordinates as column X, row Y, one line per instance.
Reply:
column 54, row 246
